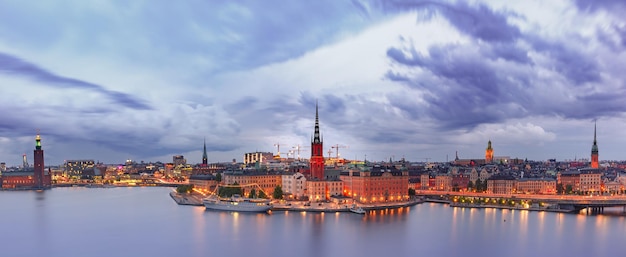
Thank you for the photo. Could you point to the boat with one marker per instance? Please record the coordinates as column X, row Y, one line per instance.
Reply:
column 357, row 210
column 237, row 203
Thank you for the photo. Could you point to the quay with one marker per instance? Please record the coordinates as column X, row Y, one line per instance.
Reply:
column 195, row 199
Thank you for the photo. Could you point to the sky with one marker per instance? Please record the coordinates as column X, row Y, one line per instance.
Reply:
column 421, row 80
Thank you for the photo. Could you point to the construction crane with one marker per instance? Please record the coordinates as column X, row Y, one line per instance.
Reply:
column 336, row 147
column 278, row 146
column 329, row 153
column 426, row 158
column 299, row 149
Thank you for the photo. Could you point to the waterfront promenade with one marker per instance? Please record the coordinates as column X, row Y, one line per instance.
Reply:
column 195, row 199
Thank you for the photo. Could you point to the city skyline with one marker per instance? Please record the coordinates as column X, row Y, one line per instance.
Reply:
column 414, row 79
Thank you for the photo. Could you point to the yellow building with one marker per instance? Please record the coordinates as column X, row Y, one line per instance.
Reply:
column 266, row 180
column 377, row 184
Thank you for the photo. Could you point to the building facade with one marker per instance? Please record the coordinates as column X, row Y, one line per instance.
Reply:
column 294, row 185
column 501, row 184
column 376, row 185
column 261, row 157
column 536, row 186
column 267, row 181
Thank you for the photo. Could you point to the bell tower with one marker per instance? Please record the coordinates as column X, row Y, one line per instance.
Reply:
column 489, row 153
column 316, row 163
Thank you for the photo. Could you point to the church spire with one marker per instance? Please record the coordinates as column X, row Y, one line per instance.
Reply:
column 204, row 155
column 316, row 134
column 594, row 150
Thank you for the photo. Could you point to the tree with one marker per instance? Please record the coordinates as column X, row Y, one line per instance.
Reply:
column 559, row 188
column 411, row 192
column 278, row 192
column 470, row 185
column 479, row 185
column 218, row 177
column 261, row 194
column 569, row 189
column 182, row 189
column 252, row 194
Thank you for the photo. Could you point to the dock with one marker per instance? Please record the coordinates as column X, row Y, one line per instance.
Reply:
column 187, row 199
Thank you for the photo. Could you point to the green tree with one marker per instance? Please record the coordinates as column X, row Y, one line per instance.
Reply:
column 411, row 192
column 278, row 192
column 252, row 194
column 261, row 194
column 569, row 189
column 470, row 186
column 479, row 185
column 218, row 177
column 559, row 188
column 184, row 189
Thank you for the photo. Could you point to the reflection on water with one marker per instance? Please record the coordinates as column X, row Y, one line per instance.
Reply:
column 146, row 222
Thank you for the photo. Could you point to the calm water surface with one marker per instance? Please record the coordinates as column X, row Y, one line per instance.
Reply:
column 147, row 222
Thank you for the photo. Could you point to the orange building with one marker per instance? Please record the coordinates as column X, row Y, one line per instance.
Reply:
column 376, row 185
column 266, row 180
column 489, row 153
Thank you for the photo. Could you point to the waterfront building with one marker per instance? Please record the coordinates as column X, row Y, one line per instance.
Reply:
column 316, row 163
column 267, row 180
column 569, row 178
column 260, row 157
column 484, row 175
column 501, row 184
column 590, row 181
column 204, row 182
column 489, row 153
column 3, row 167
column 376, row 184
column 459, row 182
column 536, row 186
column 415, row 183
column 78, row 168
column 37, row 178
column 294, row 185
column 474, row 175
column 443, row 182
column 424, row 181
column 594, row 150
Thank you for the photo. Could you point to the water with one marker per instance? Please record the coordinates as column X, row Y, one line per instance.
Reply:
column 146, row 222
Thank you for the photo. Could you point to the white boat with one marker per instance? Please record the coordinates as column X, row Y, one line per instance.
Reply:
column 357, row 210
column 237, row 203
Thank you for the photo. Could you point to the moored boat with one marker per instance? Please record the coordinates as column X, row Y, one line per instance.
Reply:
column 237, row 203
column 357, row 210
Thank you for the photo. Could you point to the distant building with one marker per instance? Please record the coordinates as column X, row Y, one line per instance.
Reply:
column 294, row 184
column 501, row 184
column 261, row 157
column 267, row 180
column 3, row 167
column 205, row 158
column 179, row 160
column 77, row 168
column 206, row 183
column 536, row 186
column 590, row 181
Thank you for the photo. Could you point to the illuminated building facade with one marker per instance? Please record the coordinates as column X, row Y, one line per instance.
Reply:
column 266, row 180
column 78, row 168
column 377, row 184
column 261, row 157
column 501, row 184
column 536, row 186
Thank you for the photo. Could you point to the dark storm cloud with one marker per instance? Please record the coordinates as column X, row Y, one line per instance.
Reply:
column 17, row 67
column 477, row 21
column 572, row 63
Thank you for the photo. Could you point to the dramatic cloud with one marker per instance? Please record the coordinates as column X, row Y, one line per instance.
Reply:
column 13, row 66
column 145, row 80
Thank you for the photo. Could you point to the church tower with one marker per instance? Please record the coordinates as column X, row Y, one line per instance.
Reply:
column 316, row 163
column 205, row 159
column 594, row 150
column 39, row 165
column 489, row 153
